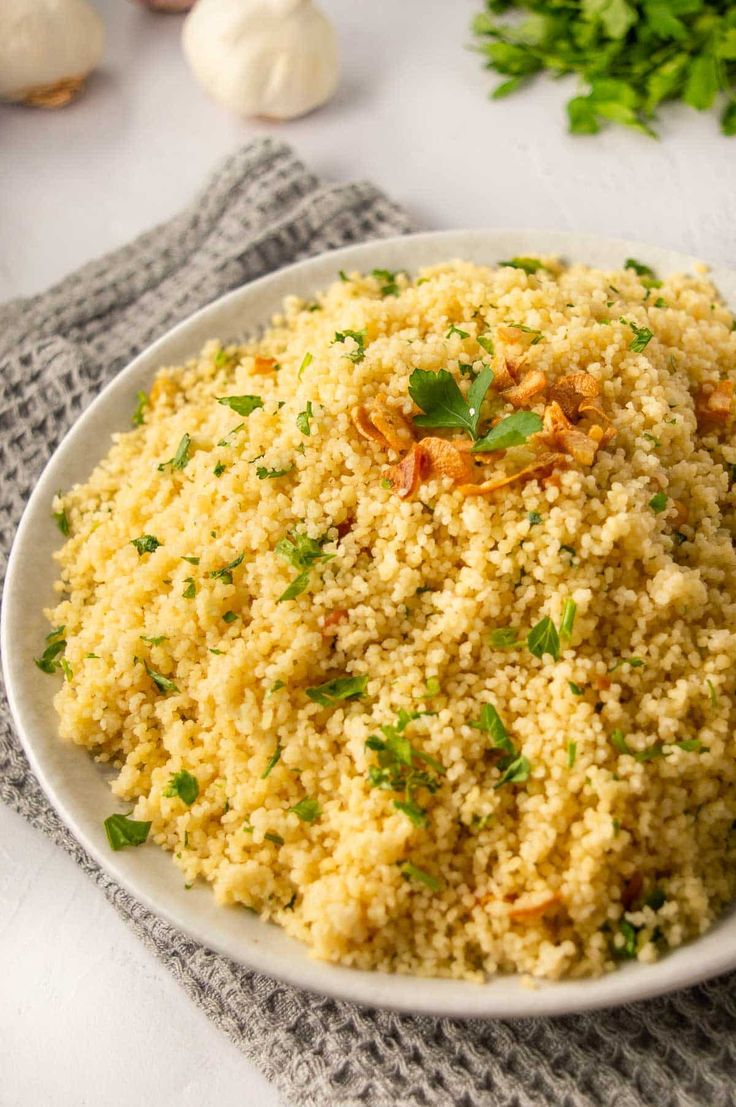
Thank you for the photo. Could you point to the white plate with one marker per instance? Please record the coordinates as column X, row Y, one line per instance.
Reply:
column 76, row 786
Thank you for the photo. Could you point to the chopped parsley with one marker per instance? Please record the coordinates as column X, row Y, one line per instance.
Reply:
column 181, row 458
column 241, row 405
column 225, row 574
column 50, row 659
column 141, row 403
column 183, row 785
column 410, row 871
column 229, row 617
column 273, row 760
column 191, row 590
column 276, row 687
column 575, row 688
column 529, row 265
column 642, row 337
column 568, row 619
column 534, row 518
column 224, row 441
column 270, row 474
column 456, row 330
column 147, row 543
column 302, row 420
column 191, row 559
column 713, row 695
column 517, row 773
column 486, row 343
column 633, row 662
column 639, row 268
column 164, row 684
column 514, row 430
column 276, row 839
column 307, row 809
column 62, row 521
column 504, row 638
column 306, row 362
column 219, row 469
column 155, row 640
column 628, row 949
column 432, row 686
column 302, row 552
column 658, row 502
column 122, row 831
column 332, row 692
column 387, row 279
column 543, row 638
column 537, row 336
column 572, row 752
column 443, row 404
column 357, row 355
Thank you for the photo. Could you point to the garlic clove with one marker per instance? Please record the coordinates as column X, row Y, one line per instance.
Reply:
column 275, row 58
column 47, row 49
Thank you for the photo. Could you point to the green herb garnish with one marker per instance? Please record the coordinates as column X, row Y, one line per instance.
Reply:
column 410, row 871
column 629, row 948
column 50, row 660
column 642, row 337
column 307, row 809
column 122, row 831
column 517, row 773
column 572, row 752
column 490, row 723
column 241, row 405
column 443, row 404
column 456, row 330
column 639, row 268
column 147, row 543
column 529, row 265
column 713, row 695
column 358, row 353
column 302, row 419
column 432, row 686
column 141, row 403
column 225, row 574
column 181, row 458
column 62, row 521
column 568, row 620
column 403, row 768
column 164, row 684
column 301, row 552
column 575, row 688
column 514, row 430
column 504, row 638
column 219, row 469
column 534, row 518
column 332, row 692
column 270, row 474
column 658, row 502
column 229, row 617
column 191, row 589
column 543, row 638
column 183, row 785
column 389, row 287
column 306, row 362
column 276, row 839
column 273, row 760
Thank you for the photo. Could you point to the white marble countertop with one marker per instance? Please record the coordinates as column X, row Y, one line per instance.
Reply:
column 87, row 1016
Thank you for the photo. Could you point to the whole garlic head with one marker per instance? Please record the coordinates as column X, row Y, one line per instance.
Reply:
column 47, row 49
column 275, row 58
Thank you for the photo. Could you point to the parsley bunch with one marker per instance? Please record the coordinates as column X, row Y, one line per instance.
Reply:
column 630, row 55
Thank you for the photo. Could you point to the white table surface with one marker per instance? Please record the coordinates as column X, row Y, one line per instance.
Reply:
column 87, row 1016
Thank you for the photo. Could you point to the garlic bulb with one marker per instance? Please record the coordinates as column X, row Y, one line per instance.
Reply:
column 47, row 49
column 275, row 58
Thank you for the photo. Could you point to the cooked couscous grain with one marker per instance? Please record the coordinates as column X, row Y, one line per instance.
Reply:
column 411, row 625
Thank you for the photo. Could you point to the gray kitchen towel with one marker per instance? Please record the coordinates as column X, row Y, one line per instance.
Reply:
column 259, row 211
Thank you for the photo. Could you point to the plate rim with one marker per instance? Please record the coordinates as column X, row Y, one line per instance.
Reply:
column 627, row 984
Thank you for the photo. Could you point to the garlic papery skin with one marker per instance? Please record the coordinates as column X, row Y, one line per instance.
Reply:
column 273, row 58
column 47, row 49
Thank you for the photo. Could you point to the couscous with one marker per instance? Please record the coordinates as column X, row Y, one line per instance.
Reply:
column 410, row 625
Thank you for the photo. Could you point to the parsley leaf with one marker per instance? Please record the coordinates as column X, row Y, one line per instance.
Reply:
column 639, row 268
column 514, row 430
column 387, row 278
column 122, row 831
column 273, row 760
column 183, row 785
column 147, row 543
column 410, row 871
column 298, row 585
column 358, row 354
column 241, row 405
column 490, row 722
column 517, row 773
column 181, row 458
column 50, row 661
column 164, row 684
column 504, row 638
column 62, row 521
column 456, row 330
column 141, row 403
column 332, row 692
column 642, row 337
column 658, row 502
column 307, row 809
column 529, row 265
column 225, row 573
column 543, row 638
column 439, row 397
column 302, row 419
column 269, row 474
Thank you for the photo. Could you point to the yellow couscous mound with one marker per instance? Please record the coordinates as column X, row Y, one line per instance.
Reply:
column 427, row 721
